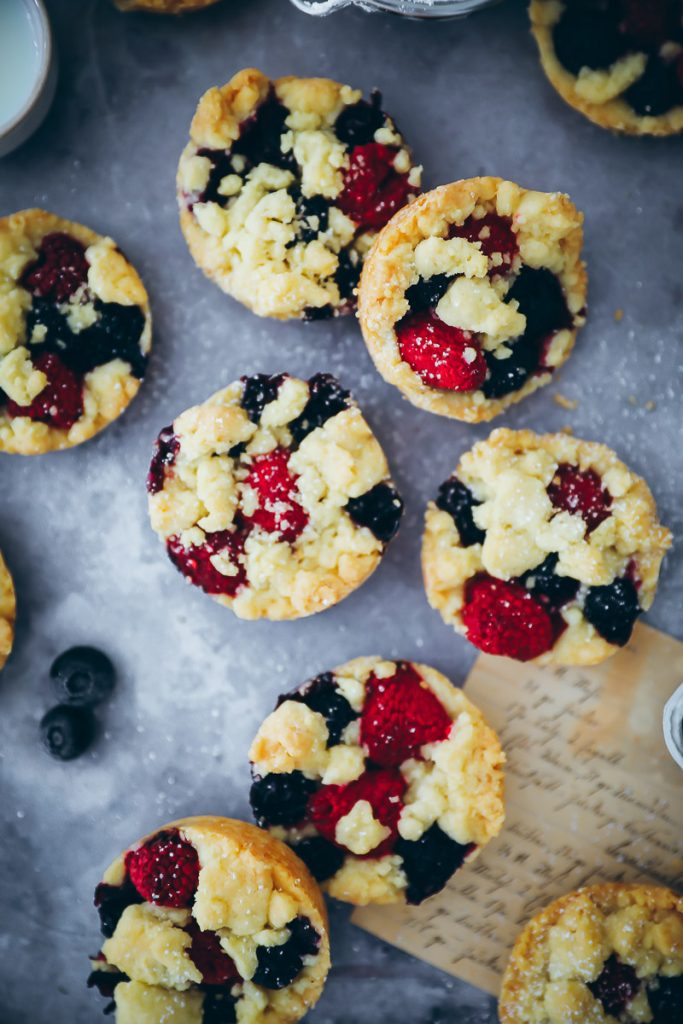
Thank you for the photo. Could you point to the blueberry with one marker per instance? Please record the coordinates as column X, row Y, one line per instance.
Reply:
column 540, row 298
column 380, row 509
column 347, row 274
column 321, row 857
column 547, row 584
column 278, row 966
column 280, row 798
column 613, row 610
column 429, row 862
column 657, row 90
column 510, row 374
column 304, row 936
column 219, row 1006
column 427, row 292
column 67, row 731
column 357, row 124
column 82, row 677
column 260, row 135
column 615, row 986
column 259, row 391
column 166, row 449
column 666, row 1000
column 587, row 38
column 327, row 398
column 321, row 695
column 457, row 499
column 312, row 213
column 115, row 335
column 111, row 901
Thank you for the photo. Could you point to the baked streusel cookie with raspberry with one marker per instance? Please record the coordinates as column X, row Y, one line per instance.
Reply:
column 164, row 6
column 543, row 548
column 274, row 496
column 284, row 185
column 75, row 332
column 382, row 776
column 8, row 612
column 210, row 921
column 471, row 296
column 619, row 62
column 604, row 954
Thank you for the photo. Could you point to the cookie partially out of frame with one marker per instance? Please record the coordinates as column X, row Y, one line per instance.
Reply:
column 543, row 548
column 618, row 62
column 8, row 611
column 471, row 297
column 208, row 921
column 604, row 954
column 283, row 186
column 164, row 6
column 274, row 496
column 382, row 776
column 75, row 332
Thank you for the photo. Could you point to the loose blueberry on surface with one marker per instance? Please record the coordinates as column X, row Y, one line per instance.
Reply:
column 657, row 91
column 544, row 582
column 380, row 509
column 327, row 398
column 67, row 732
column 457, row 499
column 587, row 38
column 616, row 986
column 166, row 449
column 278, row 966
column 111, row 901
column 82, row 677
column 280, row 798
column 321, row 857
column 312, row 216
column 613, row 610
column 357, row 124
column 195, row 562
column 219, row 1006
column 259, row 391
column 165, row 869
column 260, row 134
column 321, row 695
column 427, row 293
column 666, row 1000
column 60, row 269
column 429, row 862
column 60, row 403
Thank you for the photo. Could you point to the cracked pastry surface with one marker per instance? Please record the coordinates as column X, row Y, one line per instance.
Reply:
column 471, row 297
column 164, row 6
column 75, row 332
column 382, row 776
column 601, row 955
column 283, row 186
column 210, row 921
column 274, row 496
column 8, row 611
column 618, row 62
column 543, row 548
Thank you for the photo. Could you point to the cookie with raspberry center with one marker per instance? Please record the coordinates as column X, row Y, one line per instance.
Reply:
column 274, row 496
column 383, row 778
column 543, row 548
column 471, row 297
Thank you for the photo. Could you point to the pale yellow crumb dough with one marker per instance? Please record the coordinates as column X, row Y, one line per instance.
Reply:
column 109, row 388
column 563, row 949
column 250, row 247
column 8, row 611
column 414, row 244
column 456, row 783
column 338, row 461
column 597, row 93
column 250, row 887
column 509, row 473
column 164, row 6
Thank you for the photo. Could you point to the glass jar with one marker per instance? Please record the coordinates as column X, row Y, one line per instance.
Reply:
column 409, row 8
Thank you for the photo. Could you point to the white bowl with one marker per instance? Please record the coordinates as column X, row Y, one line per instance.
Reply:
column 29, row 118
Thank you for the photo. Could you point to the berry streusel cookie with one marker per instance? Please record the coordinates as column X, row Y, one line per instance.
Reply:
column 164, row 6
column 471, row 297
column 383, row 778
column 75, row 332
column 274, row 496
column 210, row 921
column 619, row 62
column 8, row 611
column 543, row 547
column 283, row 186
column 603, row 954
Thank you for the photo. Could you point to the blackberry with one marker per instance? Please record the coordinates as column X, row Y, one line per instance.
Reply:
column 221, row 167
column 587, row 38
column 278, row 966
column 67, row 732
column 429, row 862
column 347, row 274
column 322, row 695
column 545, row 583
column 613, row 610
column 357, row 124
column 82, row 677
column 106, row 981
column 111, row 901
column 380, row 509
column 539, row 295
column 166, row 449
column 457, row 499
column 260, row 134
column 327, row 398
column 219, row 1007
column 280, row 798
column 510, row 374
column 320, row 857
column 427, row 292
column 616, row 986
column 259, row 391
column 666, row 1000
column 312, row 214
column 116, row 335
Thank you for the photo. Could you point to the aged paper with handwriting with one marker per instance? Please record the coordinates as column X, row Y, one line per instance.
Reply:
column 591, row 793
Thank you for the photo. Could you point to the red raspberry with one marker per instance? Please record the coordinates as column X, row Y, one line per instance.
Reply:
column 195, row 561
column 373, row 190
column 442, row 356
column 383, row 789
column 279, row 511
column 495, row 235
column 165, row 870
column 210, row 958
column 650, row 22
column 60, row 403
column 503, row 618
column 576, row 490
column 59, row 271
column 400, row 715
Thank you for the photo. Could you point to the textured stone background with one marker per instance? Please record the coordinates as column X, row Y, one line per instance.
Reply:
column 195, row 682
